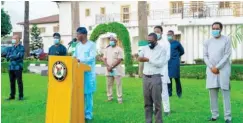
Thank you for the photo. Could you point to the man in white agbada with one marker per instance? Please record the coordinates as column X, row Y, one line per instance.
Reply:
column 165, row 78
column 217, row 52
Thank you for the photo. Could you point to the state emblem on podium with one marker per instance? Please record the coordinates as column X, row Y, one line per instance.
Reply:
column 59, row 71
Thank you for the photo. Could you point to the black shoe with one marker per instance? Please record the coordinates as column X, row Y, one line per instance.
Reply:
column 21, row 98
column 179, row 95
column 10, row 98
column 227, row 121
column 212, row 119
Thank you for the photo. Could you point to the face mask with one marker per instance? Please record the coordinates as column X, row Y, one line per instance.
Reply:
column 56, row 41
column 169, row 38
column 152, row 45
column 13, row 41
column 158, row 36
column 112, row 43
column 216, row 33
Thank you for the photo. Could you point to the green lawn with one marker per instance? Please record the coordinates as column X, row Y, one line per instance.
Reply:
column 193, row 107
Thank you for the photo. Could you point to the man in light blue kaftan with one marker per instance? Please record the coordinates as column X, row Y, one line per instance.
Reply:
column 85, row 53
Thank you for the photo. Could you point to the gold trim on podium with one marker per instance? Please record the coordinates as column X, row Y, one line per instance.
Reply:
column 65, row 100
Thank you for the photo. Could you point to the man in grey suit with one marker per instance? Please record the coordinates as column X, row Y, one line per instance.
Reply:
column 217, row 52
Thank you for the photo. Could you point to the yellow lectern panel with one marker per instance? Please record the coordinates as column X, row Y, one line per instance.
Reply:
column 65, row 101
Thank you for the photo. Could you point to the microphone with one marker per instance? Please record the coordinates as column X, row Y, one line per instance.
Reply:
column 70, row 42
column 74, row 40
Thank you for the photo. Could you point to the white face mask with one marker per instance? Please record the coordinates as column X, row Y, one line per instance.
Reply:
column 158, row 36
column 56, row 41
column 13, row 41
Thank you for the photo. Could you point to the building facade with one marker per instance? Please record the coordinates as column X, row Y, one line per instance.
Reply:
column 48, row 26
column 191, row 21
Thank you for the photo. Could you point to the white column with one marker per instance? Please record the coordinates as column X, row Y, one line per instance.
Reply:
column 190, row 45
column 184, row 44
column 195, row 42
column 201, row 40
column 65, row 24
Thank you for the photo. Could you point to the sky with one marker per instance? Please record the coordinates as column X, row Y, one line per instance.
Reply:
column 37, row 9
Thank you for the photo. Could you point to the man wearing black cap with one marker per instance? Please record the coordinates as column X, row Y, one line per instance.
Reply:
column 85, row 53
column 57, row 49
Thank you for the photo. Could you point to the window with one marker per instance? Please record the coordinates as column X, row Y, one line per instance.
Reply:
column 87, row 12
column 102, row 10
column 125, row 14
column 56, row 29
column 197, row 6
column 176, row 7
column 237, row 8
column 148, row 9
column 223, row 5
column 42, row 29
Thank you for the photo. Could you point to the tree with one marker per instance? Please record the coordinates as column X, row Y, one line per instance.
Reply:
column 142, row 26
column 6, row 26
column 26, row 29
column 237, row 36
column 75, row 17
column 36, row 40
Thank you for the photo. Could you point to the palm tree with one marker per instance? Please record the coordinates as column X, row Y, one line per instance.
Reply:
column 75, row 17
column 26, row 29
column 142, row 26
column 237, row 36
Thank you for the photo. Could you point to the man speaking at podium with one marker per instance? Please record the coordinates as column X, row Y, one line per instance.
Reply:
column 85, row 53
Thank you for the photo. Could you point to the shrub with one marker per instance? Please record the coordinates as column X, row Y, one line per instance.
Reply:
column 237, row 61
column 199, row 72
column 199, row 61
column 4, row 65
column 234, row 61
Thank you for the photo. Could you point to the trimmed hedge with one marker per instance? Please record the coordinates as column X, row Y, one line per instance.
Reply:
column 4, row 65
column 122, row 34
column 187, row 71
column 234, row 61
column 237, row 61
column 199, row 71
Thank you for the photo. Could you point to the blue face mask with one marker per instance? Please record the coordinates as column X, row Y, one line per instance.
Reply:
column 56, row 41
column 158, row 36
column 169, row 38
column 13, row 41
column 215, row 33
column 112, row 43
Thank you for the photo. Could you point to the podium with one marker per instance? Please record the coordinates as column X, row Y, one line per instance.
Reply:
column 65, row 100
